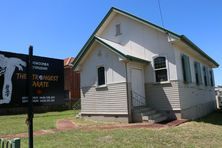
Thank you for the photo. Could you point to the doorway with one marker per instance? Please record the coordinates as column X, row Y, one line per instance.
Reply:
column 137, row 85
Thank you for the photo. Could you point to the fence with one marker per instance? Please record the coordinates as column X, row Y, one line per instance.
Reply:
column 14, row 143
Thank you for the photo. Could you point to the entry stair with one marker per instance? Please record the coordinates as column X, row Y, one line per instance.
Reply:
column 147, row 114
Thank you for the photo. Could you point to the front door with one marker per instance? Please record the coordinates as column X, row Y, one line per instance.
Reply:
column 138, row 91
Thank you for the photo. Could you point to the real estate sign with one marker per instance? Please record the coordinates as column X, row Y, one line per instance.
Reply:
column 47, row 80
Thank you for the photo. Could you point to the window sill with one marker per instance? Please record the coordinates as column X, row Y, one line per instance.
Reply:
column 101, row 86
column 160, row 83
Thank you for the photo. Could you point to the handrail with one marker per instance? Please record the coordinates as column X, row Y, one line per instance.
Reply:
column 137, row 99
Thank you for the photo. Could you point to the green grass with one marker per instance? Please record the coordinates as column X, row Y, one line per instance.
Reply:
column 16, row 123
column 192, row 134
column 206, row 132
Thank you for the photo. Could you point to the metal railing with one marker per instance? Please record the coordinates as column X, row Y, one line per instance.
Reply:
column 137, row 99
column 14, row 143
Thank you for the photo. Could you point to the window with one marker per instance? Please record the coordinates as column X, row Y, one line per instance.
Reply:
column 118, row 30
column 211, row 78
column 198, row 74
column 205, row 76
column 160, row 69
column 101, row 76
column 186, row 68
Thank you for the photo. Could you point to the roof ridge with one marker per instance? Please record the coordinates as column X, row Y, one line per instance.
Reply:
column 145, row 21
column 182, row 37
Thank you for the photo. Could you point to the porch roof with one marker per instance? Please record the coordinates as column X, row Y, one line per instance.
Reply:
column 115, row 47
column 119, row 49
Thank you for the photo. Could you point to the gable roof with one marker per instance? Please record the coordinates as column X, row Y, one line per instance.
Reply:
column 68, row 61
column 183, row 38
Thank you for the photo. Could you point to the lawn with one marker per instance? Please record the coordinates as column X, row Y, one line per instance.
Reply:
column 206, row 132
column 16, row 123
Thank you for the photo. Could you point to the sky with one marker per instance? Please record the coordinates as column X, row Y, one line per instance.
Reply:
column 60, row 28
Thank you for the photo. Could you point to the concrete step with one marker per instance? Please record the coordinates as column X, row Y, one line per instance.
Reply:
column 147, row 114
column 157, row 120
column 151, row 117
column 142, row 109
column 151, row 112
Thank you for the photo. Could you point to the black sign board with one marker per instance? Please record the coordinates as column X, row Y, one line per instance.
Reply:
column 47, row 80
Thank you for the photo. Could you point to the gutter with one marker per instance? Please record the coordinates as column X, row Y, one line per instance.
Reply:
column 197, row 49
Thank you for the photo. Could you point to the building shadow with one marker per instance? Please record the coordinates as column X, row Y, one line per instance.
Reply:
column 213, row 118
column 161, row 97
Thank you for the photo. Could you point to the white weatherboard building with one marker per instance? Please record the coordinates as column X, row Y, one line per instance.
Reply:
column 132, row 70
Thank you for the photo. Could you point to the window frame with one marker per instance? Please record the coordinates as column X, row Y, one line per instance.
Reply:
column 198, row 73
column 105, row 81
column 211, row 75
column 118, row 31
column 205, row 76
column 167, row 69
column 184, row 72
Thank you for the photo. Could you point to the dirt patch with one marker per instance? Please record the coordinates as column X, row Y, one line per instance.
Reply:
column 176, row 122
column 135, row 125
column 65, row 125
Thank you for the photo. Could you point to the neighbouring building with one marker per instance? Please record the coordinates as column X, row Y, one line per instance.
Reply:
column 72, row 81
column 133, row 70
column 218, row 92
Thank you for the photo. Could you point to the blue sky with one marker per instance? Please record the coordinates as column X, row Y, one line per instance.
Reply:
column 59, row 28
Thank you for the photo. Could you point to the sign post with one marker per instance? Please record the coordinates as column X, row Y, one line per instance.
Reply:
column 30, row 101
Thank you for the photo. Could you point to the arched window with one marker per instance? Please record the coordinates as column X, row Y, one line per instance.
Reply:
column 101, row 75
column 160, row 69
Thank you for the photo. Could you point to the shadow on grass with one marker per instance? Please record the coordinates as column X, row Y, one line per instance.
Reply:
column 213, row 118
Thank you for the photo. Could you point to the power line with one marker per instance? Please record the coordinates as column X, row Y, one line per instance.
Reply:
column 161, row 15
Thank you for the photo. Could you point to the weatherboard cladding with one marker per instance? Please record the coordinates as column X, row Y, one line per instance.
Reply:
column 110, row 100
column 199, row 110
column 178, row 96
column 181, row 37
column 163, row 96
column 192, row 95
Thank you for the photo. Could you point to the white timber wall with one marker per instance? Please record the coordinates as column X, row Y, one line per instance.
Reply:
column 163, row 97
column 104, row 101
column 195, row 100
column 101, row 56
column 142, row 40
column 108, row 100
